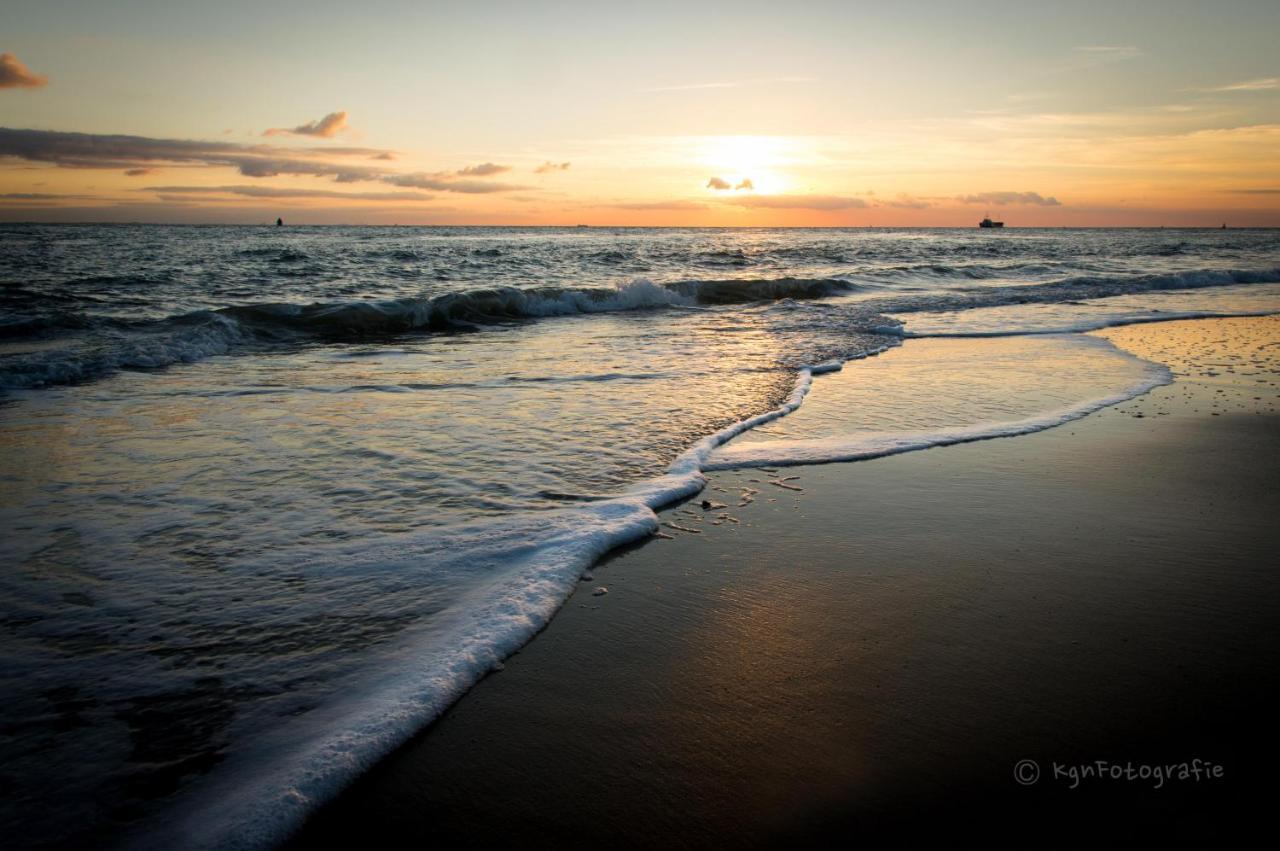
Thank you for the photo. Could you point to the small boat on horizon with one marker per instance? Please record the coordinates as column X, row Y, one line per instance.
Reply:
column 987, row 223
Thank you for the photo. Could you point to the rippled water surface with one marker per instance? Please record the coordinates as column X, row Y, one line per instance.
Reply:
column 273, row 497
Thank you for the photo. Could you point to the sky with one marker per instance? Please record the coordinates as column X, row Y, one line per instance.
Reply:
column 657, row 113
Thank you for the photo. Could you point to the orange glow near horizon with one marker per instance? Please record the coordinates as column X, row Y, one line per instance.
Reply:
column 855, row 115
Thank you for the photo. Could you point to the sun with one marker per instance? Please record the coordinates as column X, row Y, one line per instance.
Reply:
column 753, row 159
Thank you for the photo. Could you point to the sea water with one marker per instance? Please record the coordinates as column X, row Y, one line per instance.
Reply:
column 273, row 498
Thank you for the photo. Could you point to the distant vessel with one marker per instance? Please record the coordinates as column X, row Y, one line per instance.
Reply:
column 987, row 223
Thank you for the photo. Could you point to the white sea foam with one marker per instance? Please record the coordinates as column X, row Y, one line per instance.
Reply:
column 1071, row 316
column 859, row 447
column 259, row 801
column 192, row 526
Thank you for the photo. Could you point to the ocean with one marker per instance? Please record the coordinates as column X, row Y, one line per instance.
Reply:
column 275, row 497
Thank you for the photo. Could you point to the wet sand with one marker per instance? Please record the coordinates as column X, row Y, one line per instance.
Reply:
column 870, row 657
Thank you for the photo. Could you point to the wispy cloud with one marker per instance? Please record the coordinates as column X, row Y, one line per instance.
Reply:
column 446, row 182
column 326, row 128
column 42, row 196
column 15, row 75
column 548, row 167
column 1090, row 56
column 1253, row 191
column 287, row 192
column 729, row 84
column 138, row 155
column 719, row 184
column 1260, row 85
column 92, row 150
column 1001, row 199
column 798, row 202
column 905, row 202
column 483, row 170
column 656, row 205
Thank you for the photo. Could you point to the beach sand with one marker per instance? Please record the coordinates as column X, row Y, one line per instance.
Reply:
column 869, row 658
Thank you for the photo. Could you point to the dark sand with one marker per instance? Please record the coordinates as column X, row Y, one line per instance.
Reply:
column 867, row 660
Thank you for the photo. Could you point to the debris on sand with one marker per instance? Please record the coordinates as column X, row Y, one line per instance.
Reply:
column 708, row 505
column 782, row 484
column 600, row 591
column 680, row 528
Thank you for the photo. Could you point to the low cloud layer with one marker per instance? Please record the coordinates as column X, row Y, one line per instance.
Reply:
column 326, row 128
column 446, row 182
column 1001, row 199
column 92, row 150
column 15, row 75
column 905, row 202
column 285, row 192
column 138, row 155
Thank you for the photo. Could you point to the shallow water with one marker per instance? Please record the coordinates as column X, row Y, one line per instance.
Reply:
column 274, row 498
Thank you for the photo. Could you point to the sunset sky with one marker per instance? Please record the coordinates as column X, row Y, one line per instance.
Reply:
column 653, row 113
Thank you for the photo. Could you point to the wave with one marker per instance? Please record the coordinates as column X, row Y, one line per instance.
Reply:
column 1079, row 327
column 249, row 804
column 859, row 447
column 118, row 344
column 253, row 803
column 193, row 336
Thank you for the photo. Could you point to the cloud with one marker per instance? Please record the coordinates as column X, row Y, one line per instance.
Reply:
column 338, row 151
column 905, row 202
column 139, row 172
column 326, row 128
column 483, row 170
column 1000, row 199
column 15, row 75
column 745, row 184
column 134, row 154
column 657, row 205
column 798, row 202
column 270, row 167
column 42, row 196
column 1262, row 85
column 691, row 87
column 719, row 183
column 1254, row 191
column 91, row 150
column 445, row 182
column 287, row 192
column 1108, row 54
column 731, row 84
column 549, row 166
